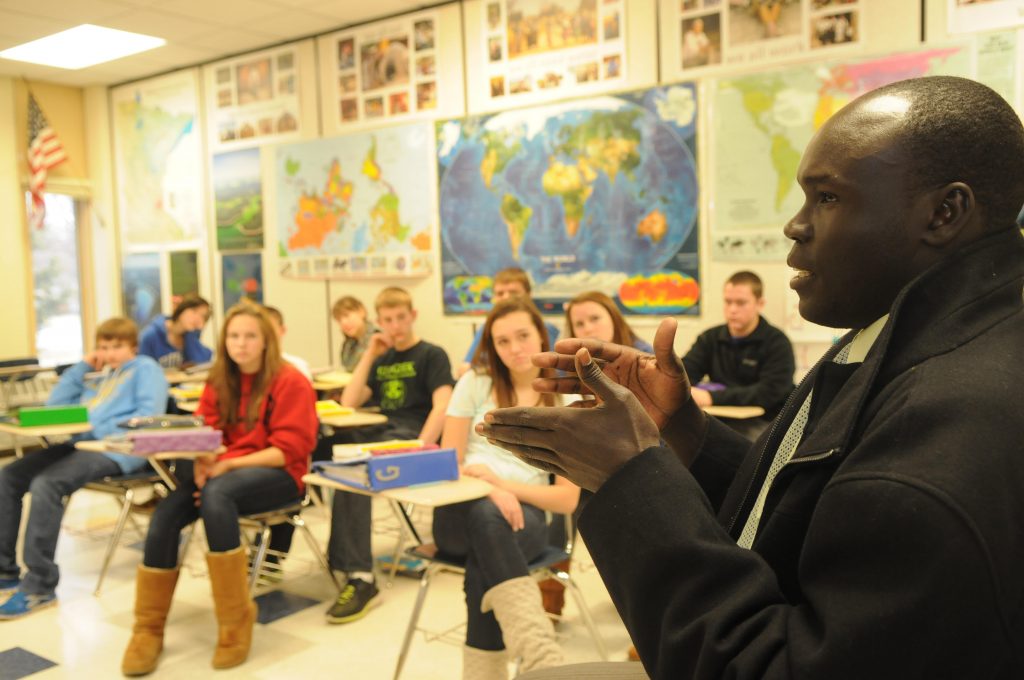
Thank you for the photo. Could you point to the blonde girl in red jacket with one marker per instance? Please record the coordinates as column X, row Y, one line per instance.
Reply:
column 265, row 408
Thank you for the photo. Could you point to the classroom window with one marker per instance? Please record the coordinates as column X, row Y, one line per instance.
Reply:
column 56, row 282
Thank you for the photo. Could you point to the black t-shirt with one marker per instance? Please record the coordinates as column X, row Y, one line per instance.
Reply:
column 404, row 382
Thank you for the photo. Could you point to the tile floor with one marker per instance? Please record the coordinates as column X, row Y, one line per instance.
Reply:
column 84, row 636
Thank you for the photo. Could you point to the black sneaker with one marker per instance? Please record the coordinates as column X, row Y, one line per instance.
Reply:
column 354, row 600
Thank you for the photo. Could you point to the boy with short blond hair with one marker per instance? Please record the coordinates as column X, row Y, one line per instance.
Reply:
column 127, row 385
column 411, row 379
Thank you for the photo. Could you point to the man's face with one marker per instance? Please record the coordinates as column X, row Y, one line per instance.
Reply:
column 396, row 322
column 742, row 308
column 114, row 353
column 504, row 291
column 854, row 246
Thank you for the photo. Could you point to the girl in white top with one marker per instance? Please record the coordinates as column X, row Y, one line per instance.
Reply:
column 499, row 534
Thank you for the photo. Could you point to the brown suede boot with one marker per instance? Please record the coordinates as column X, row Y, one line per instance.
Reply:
column 525, row 626
column 153, row 591
column 236, row 612
column 552, row 591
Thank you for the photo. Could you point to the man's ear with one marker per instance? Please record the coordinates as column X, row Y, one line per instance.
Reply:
column 954, row 209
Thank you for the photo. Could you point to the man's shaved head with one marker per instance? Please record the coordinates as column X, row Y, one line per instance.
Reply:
column 957, row 130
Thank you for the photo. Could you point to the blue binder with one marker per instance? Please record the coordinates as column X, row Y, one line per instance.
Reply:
column 400, row 469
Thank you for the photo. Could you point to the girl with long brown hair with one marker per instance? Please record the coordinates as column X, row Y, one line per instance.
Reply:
column 595, row 315
column 265, row 408
column 498, row 535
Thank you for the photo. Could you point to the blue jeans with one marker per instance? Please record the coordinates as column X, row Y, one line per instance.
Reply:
column 238, row 492
column 477, row 532
column 50, row 475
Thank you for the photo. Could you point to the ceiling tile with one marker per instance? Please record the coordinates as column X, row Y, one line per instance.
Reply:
column 224, row 12
column 229, row 42
column 77, row 12
column 170, row 27
column 293, row 24
column 25, row 28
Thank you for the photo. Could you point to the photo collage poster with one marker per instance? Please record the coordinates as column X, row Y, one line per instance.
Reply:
column 540, row 50
column 719, row 32
column 254, row 99
column 386, row 70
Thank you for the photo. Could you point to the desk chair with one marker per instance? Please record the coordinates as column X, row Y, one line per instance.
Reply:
column 261, row 522
column 541, row 567
column 123, row 488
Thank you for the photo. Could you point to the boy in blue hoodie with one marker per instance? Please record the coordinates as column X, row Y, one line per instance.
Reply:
column 128, row 385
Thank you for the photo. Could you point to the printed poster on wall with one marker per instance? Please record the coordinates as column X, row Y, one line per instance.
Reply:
column 358, row 205
column 184, row 275
column 594, row 194
column 763, row 122
column 539, row 50
column 241, row 276
column 713, row 33
column 238, row 200
column 254, row 99
column 158, row 161
column 970, row 16
column 386, row 70
column 140, row 285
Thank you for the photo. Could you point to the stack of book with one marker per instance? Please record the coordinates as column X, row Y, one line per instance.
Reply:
column 392, row 465
column 153, row 441
column 329, row 407
column 32, row 416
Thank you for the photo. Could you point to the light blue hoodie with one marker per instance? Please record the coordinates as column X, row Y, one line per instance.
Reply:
column 136, row 388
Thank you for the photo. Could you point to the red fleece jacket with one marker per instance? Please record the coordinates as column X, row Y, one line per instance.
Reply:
column 287, row 419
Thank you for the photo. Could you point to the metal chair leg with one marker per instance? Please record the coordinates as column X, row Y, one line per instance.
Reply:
column 414, row 619
column 183, row 549
column 588, row 619
column 300, row 524
column 126, row 508
column 261, row 555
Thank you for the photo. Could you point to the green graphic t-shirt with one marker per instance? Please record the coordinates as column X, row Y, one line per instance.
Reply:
column 403, row 383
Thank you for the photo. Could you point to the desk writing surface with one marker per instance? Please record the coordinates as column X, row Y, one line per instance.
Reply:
column 189, row 405
column 98, row 446
column 332, row 380
column 357, row 419
column 736, row 412
column 428, row 495
column 45, row 430
column 14, row 372
column 176, row 376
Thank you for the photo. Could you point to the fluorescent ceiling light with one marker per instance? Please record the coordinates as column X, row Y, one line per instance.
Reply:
column 82, row 46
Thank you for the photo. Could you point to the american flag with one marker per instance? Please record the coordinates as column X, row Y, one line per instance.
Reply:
column 44, row 152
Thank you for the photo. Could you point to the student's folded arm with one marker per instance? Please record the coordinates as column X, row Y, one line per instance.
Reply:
column 902, row 592
column 356, row 393
column 69, row 388
column 560, row 497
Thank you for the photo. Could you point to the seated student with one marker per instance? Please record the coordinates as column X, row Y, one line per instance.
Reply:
column 277, row 321
column 747, row 361
column 411, row 379
column 128, row 386
column 350, row 314
column 498, row 535
column 174, row 342
column 509, row 282
column 264, row 407
column 595, row 315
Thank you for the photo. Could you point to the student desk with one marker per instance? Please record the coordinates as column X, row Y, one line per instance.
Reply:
column 357, row 419
column 429, row 495
column 177, row 376
column 157, row 460
column 11, row 374
column 331, row 381
column 41, row 432
column 734, row 412
column 188, row 405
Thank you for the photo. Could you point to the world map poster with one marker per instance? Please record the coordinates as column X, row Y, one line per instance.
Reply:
column 764, row 121
column 357, row 205
column 596, row 194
